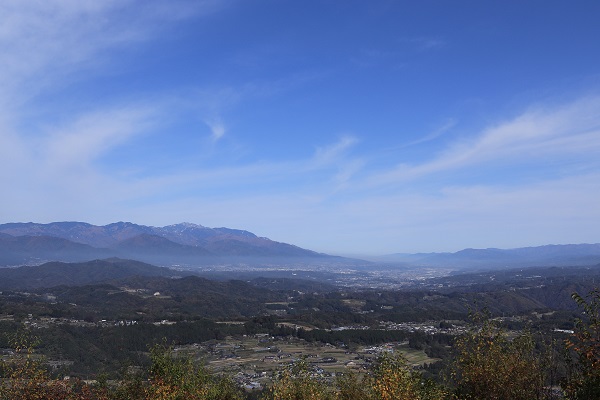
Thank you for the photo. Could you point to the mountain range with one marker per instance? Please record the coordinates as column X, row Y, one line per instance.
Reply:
column 492, row 258
column 78, row 274
column 181, row 244
column 190, row 245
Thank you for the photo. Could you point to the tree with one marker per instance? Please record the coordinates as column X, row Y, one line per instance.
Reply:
column 26, row 377
column 583, row 381
column 490, row 365
column 351, row 387
column 392, row 379
column 298, row 383
column 179, row 378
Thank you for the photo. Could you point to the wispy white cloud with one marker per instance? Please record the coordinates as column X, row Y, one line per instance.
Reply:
column 47, row 46
column 347, row 171
column 328, row 154
column 424, row 43
column 429, row 43
column 91, row 135
column 371, row 57
column 328, row 165
column 47, row 43
column 451, row 123
column 569, row 130
column 217, row 129
column 55, row 172
column 436, row 133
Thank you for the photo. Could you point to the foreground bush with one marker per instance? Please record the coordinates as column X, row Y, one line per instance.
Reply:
column 583, row 381
column 181, row 379
column 297, row 383
column 26, row 378
column 489, row 365
column 390, row 379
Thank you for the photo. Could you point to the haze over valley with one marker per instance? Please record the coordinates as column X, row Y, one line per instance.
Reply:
column 225, row 253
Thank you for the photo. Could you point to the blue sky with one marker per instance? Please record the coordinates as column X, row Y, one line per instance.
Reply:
column 349, row 127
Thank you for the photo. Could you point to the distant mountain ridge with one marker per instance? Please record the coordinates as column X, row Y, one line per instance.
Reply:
column 548, row 255
column 193, row 245
column 183, row 243
column 18, row 250
column 109, row 235
column 78, row 274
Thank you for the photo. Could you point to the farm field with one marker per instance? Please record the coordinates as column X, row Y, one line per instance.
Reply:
column 257, row 358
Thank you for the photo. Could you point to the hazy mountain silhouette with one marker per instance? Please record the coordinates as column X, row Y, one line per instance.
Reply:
column 557, row 255
column 75, row 274
column 185, row 243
